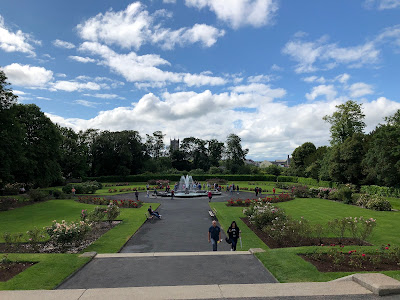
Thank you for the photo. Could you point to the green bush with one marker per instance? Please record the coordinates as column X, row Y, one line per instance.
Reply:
column 379, row 203
column 97, row 214
column 262, row 214
column 112, row 212
column 7, row 202
column 345, row 194
column 307, row 181
column 67, row 232
column 12, row 188
column 287, row 178
column 88, row 187
column 380, row 190
column 300, row 191
column 38, row 195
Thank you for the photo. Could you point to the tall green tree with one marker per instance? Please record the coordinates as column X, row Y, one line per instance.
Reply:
column 117, row 153
column 11, row 134
column 382, row 161
column 235, row 154
column 345, row 160
column 155, row 146
column 41, row 147
column 74, row 150
column 215, row 152
column 302, row 158
column 345, row 121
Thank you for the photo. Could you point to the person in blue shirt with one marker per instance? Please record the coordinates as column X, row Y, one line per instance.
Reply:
column 214, row 235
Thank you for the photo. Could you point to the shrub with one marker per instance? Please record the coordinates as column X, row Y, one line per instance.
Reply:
column 287, row 179
column 113, row 211
column 38, row 195
column 360, row 228
column 68, row 233
column 12, row 188
column 363, row 199
column 300, row 191
column 7, row 202
column 345, row 194
column 307, row 181
column 97, row 214
column 88, row 187
column 261, row 214
column 378, row 203
column 283, row 230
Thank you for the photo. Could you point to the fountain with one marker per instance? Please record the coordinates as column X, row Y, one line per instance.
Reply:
column 187, row 189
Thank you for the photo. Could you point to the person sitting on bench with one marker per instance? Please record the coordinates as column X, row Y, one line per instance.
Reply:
column 153, row 213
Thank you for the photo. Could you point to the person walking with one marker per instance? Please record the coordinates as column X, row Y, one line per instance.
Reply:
column 214, row 235
column 172, row 194
column 256, row 190
column 209, row 196
column 137, row 195
column 273, row 191
column 233, row 234
column 148, row 193
column 73, row 191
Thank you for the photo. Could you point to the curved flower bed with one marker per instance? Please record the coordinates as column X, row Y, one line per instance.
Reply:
column 247, row 202
column 103, row 201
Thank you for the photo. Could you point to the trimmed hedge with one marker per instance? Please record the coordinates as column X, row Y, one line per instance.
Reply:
column 380, row 190
column 307, row 181
column 287, row 179
column 175, row 177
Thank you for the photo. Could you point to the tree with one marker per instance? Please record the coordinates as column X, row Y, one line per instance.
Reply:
column 11, row 134
column 346, row 158
column 41, row 147
column 73, row 151
column 215, row 152
column 155, row 147
column 314, row 162
column 302, row 158
column 273, row 170
column 347, row 120
column 235, row 154
column 381, row 164
column 117, row 153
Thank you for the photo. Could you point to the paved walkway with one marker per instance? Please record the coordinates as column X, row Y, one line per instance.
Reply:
column 183, row 228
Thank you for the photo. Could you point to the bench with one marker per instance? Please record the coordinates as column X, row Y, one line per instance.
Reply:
column 213, row 213
column 149, row 217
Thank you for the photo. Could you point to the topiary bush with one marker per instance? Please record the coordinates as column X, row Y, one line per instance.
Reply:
column 379, row 203
column 38, row 195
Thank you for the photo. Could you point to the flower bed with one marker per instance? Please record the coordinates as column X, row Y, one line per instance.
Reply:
column 334, row 259
column 8, row 269
column 247, row 202
column 103, row 201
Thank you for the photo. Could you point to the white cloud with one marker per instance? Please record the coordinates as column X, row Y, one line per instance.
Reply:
column 28, row 76
column 311, row 79
column 260, row 78
column 360, row 89
column 82, row 59
column 382, row 4
column 86, row 103
column 72, row 86
column 63, row 44
column 169, row 1
column 19, row 93
column 322, row 90
column 62, row 75
column 329, row 55
column 16, row 41
column 105, row 96
column 342, row 78
column 238, row 13
column 135, row 68
column 390, row 35
column 275, row 67
column 43, row 98
column 135, row 26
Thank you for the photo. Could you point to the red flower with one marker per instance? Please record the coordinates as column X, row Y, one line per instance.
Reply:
column 350, row 252
column 322, row 245
column 363, row 255
column 389, row 245
column 386, row 248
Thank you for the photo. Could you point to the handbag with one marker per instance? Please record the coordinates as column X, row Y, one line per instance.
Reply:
column 228, row 240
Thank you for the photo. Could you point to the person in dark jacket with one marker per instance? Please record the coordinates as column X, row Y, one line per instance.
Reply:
column 233, row 232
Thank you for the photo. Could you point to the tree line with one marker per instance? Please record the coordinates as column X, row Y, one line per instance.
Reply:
column 35, row 150
column 353, row 156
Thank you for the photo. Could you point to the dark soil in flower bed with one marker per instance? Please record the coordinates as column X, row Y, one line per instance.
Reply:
column 49, row 247
column 325, row 263
column 9, row 270
column 271, row 243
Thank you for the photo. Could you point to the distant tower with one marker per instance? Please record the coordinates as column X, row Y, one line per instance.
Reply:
column 174, row 144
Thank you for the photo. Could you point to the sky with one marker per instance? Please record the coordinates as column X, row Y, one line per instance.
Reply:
column 266, row 70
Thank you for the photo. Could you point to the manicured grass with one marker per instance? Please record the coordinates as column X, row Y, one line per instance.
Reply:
column 52, row 269
column 284, row 263
column 49, row 271
column 113, row 240
column 395, row 202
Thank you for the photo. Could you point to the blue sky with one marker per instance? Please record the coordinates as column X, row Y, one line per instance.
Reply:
column 266, row 70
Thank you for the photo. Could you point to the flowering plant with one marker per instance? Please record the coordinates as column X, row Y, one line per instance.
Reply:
column 68, row 232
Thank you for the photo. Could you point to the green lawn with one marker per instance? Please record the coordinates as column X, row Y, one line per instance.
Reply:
column 284, row 263
column 52, row 269
column 395, row 202
column 49, row 271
